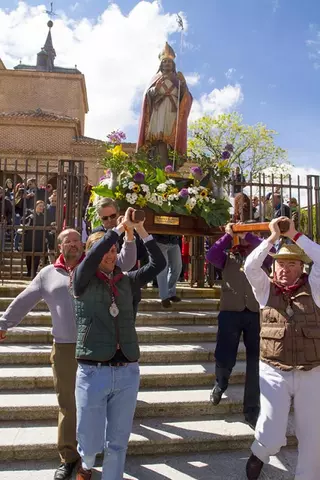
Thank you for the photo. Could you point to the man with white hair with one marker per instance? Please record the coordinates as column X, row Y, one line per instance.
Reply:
column 53, row 285
column 289, row 349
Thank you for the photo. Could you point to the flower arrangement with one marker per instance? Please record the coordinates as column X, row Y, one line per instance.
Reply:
column 153, row 188
column 133, row 180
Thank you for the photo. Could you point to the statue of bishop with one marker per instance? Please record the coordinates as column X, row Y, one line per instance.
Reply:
column 166, row 106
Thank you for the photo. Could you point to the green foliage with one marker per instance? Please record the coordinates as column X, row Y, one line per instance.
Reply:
column 253, row 149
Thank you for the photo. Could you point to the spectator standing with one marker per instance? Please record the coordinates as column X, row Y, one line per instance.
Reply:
column 237, row 176
column 168, row 278
column 295, row 214
column 9, row 190
column 34, row 193
column 34, row 240
column 5, row 216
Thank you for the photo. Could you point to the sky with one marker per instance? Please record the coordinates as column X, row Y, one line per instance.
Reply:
column 259, row 57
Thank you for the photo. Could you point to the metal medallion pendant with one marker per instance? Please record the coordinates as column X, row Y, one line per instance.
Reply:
column 114, row 310
column 289, row 311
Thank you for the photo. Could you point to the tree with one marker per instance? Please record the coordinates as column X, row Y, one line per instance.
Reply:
column 226, row 138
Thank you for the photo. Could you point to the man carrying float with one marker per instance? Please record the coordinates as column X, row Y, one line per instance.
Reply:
column 289, row 349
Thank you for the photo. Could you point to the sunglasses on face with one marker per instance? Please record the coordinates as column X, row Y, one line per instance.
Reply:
column 109, row 217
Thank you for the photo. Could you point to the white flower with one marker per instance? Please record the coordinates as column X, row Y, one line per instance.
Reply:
column 145, row 188
column 189, row 203
column 162, row 187
column 134, row 196
column 207, row 199
column 193, row 201
column 131, row 185
column 148, row 196
column 170, row 181
column 213, row 200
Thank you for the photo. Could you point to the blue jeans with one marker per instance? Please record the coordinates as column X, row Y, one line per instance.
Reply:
column 106, row 401
column 167, row 279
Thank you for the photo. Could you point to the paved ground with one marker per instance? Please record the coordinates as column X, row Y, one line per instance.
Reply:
column 209, row 466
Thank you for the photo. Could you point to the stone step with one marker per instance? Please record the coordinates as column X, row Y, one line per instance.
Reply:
column 147, row 304
column 161, row 403
column 152, row 376
column 11, row 288
column 146, row 334
column 143, row 318
column 37, row 440
column 162, row 353
column 229, row 465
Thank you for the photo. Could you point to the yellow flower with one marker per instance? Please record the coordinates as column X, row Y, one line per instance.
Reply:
column 136, row 188
column 173, row 191
column 92, row 197
column 204, row 193
column 119, row 195
column 117, row 151
column 188, row 207
column 165, row 195
column 142, row 202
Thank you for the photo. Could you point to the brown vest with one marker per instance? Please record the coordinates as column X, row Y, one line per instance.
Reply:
column 236, row 291
column 290, row 342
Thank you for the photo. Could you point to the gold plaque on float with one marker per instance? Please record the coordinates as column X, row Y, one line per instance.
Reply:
column 164, row 220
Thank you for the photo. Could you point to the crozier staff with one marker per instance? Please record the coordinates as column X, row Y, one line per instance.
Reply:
column 289, row 350
column 107, row 348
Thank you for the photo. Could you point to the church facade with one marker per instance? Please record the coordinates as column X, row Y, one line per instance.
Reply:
column 42, row 116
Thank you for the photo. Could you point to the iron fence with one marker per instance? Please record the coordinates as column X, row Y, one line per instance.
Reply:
column 28, row 235
column 37, row 198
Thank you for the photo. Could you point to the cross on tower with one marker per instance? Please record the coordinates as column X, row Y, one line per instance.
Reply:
column 50, row 12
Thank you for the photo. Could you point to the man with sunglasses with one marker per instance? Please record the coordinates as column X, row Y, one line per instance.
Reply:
column 108, row 212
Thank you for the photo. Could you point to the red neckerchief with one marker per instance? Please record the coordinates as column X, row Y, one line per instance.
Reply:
column 242, row 250
column 287, row 290
column 60, row 263
column 110, row 281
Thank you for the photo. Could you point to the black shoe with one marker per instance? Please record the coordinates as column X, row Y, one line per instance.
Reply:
column 253, row 467
column 175, row 299
column 215, row 395
column 251, row 420
column 166, row 303
column 64, row 471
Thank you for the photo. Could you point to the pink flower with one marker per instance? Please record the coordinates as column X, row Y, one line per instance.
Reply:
column 117, row 136
column 168, row 169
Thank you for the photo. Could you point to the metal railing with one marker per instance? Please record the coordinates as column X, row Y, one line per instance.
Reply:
column 37, row 199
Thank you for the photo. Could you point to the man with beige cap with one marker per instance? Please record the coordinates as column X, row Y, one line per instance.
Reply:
column 289, row 349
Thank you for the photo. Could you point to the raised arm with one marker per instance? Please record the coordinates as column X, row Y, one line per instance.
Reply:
column 255, row 241
column 156, row 263
column 217, row 255
column 312, row 249
column 127, row 258
column 88, row 267
column 258, row 279
column 22, row 305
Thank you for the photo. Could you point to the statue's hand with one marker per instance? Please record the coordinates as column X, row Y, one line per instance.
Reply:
column 159, row 84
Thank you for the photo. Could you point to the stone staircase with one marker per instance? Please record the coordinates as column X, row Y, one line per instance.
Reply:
column 173, row 416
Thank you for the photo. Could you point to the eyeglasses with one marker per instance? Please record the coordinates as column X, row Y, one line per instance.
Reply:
column 109, row 217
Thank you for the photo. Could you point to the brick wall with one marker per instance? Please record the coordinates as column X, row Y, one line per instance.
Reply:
column 57, row 93
column 33, row 139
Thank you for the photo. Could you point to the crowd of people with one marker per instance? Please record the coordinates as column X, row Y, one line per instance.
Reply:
column 267, row 296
